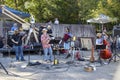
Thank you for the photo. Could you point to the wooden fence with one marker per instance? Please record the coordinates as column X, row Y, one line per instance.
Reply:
column 76, row 29
column 80, row 31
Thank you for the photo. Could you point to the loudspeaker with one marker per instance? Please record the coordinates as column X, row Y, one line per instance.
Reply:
column 116, row 32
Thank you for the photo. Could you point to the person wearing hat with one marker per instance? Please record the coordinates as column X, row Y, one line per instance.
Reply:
column 99, row 40
column 17, row 45
column 40, row 31
column 45, row 39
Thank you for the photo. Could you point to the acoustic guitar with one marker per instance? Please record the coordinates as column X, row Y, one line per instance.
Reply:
column 92, row 58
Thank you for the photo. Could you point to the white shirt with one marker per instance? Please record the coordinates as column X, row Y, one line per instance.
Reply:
column 99, row 41
column 56, row 22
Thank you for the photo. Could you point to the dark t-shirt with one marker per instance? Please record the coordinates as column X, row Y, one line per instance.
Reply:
column 17, row 38
column 1, row 44
column 40, row 31
column 49, row 31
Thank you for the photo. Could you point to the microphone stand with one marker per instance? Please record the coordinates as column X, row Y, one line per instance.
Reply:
column 3, row 68
column 31, row 63
column 115, row 53
column 31, row 47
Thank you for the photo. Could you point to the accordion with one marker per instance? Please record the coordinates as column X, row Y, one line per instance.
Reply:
column 66, row 37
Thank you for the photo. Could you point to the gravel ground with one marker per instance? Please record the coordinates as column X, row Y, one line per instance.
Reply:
column 63, row 71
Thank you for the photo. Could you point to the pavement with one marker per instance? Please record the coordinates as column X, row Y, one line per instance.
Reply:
column 65, row 70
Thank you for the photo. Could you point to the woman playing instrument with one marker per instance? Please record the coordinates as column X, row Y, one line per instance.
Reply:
column 105, row 53
column 67, row 40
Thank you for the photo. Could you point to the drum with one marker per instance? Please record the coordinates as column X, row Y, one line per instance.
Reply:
column 105, row 54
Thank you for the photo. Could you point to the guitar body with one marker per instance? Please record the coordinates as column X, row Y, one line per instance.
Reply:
column 105, row 54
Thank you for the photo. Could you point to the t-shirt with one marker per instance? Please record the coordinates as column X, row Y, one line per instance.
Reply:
column 99, row 41
column 49, row 31
column 17, row 38
column 14, row 28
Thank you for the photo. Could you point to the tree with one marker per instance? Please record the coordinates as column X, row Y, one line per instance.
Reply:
column 68, row 11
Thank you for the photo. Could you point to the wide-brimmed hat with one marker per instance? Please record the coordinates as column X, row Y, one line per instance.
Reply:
column 44, row 30
column 16, row 32
column 99, row 34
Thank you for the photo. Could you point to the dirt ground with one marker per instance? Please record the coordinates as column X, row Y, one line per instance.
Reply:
column 65, row 70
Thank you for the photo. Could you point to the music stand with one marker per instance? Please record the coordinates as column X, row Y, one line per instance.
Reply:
column 29, row 62
column 54, row 42
column 100, row 47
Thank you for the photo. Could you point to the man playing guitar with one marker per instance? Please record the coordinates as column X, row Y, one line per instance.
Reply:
column 17, row 39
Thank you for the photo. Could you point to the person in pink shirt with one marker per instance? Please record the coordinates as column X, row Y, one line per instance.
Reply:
column 45, row 39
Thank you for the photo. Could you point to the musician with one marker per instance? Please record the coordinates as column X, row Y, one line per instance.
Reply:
column 49, row 30
column 40, row 31
column 106, row 41
column 14, row 27
column 45, row 39
column 67, row 38
column 99, row 40
column 67, row 41
column 17, row 45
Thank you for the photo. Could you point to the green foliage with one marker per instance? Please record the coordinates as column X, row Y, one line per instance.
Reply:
column 67, row 11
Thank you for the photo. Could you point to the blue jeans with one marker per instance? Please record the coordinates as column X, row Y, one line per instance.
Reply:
column 50, row 56
column 19, row 52
column 67, row 45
